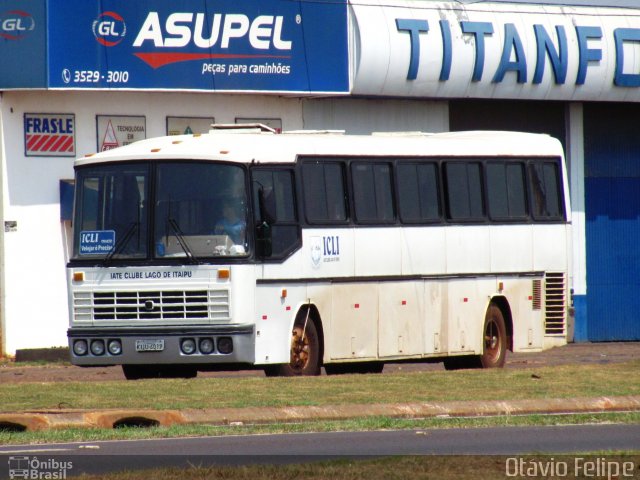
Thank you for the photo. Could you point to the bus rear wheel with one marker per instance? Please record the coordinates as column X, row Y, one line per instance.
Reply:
column 494, row 345
column 304, row 354
column 494, row 351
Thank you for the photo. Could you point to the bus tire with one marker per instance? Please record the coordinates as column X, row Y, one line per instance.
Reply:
column 494, row 345
column 494, row 339
column 304, row 355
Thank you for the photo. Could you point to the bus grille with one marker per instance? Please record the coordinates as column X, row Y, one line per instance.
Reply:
column 536, row 296
column 555, row 303
column 152, row 305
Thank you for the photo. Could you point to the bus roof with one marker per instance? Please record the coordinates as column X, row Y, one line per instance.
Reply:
column 253, row 145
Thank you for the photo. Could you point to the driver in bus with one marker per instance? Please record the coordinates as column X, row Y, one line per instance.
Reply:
column 232, row 222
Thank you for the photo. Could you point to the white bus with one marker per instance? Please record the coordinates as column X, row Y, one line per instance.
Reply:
column 296, row 251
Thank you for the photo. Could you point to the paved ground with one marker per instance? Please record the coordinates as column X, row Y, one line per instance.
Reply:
column 578, row 353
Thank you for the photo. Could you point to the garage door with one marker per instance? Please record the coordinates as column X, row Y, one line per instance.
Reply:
column 612, row 203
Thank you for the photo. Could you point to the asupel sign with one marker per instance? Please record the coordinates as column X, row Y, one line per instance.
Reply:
column 183, row 29
column 260, row 31
column 223, row 45
column 506, row 50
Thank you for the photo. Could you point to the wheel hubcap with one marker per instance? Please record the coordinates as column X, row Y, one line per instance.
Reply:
column 492, row 340
column 299, row 349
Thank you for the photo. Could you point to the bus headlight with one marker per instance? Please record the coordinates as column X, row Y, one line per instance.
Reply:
column 97, row 347
column 188, row 346
column 114, row 347
column 225, row 345
column 206, row 346
column 80, row 348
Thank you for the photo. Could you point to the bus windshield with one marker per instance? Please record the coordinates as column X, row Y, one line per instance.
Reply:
column 199, row 210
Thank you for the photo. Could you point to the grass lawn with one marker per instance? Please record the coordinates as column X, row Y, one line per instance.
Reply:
column 566, row 381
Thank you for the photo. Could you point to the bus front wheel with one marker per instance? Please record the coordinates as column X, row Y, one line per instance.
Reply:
column 304, row 354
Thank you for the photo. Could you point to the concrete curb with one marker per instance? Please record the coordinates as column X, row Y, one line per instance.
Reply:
column 42, row 420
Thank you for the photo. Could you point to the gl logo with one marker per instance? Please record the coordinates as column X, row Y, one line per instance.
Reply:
column 109, row 29
column 16, row 24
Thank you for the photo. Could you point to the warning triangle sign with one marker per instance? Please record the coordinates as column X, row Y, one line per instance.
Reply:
column 109, row 141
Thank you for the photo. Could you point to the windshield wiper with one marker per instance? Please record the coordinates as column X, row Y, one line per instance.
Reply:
column 120, row 244
column 181, row 241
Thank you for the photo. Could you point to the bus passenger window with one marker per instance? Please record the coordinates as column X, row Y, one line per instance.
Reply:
column 464, row 191
column 546, row 199
column 372, row 194
column 418, row 192
column 324, row 196
column 506, row 191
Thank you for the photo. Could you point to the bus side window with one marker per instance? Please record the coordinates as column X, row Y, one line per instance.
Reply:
column 324, row 192
column 418, row 192
column 372, row 192
column 506, row 193
column 544, row 185
column 464, row 191
column 284, row 231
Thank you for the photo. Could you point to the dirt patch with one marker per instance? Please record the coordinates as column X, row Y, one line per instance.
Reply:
column 576, row 353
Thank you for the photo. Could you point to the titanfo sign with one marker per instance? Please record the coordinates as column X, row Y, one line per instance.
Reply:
column 446, row 49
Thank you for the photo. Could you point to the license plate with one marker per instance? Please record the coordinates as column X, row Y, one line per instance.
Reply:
column 149, row 345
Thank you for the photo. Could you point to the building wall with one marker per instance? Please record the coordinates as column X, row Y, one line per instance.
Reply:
column 363, row 116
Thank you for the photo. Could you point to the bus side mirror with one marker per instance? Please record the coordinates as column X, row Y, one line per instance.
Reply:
column 267, row 204
column 263, row 240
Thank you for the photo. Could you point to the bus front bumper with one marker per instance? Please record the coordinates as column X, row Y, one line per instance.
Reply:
column 93, row 346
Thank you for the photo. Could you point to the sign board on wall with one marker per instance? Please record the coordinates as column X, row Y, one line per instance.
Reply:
column 117, row 131
column 188, row 125
column 23, row 32
column 49, row 135
column 491, row 50
column 221, row 45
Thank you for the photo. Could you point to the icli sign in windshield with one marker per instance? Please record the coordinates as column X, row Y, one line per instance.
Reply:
column 273, row 45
